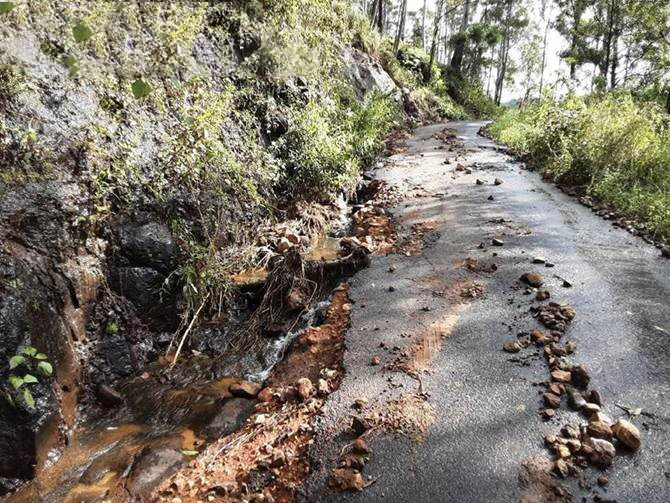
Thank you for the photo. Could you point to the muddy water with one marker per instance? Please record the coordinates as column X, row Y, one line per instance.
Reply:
column 168, row 415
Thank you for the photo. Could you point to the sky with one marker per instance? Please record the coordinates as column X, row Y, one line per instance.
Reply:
column 555, row 43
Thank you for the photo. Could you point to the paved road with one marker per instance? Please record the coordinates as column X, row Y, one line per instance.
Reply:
column 485, row 406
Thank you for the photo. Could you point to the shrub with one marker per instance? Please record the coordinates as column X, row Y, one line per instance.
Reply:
column 614, row 147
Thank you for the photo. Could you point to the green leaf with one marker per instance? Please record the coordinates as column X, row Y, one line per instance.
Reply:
column 29, row 379
column 111, row 328
column 15, row 381
column 140, row 88
column 28, row 398
column 15, row 361
column 45, row 368
column 6, row 7
column 41, row 356
column 29, row 350
column 81, row 32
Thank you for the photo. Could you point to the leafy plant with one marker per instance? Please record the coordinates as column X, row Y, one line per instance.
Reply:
column 6, row 7
column 140, row 88
column 81, row 32
column 26, row 365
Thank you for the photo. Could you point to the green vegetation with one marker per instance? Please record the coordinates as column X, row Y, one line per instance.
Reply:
column 25, row 366
column 614, row 147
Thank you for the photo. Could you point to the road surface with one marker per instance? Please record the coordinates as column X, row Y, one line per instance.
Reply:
column 482, row 406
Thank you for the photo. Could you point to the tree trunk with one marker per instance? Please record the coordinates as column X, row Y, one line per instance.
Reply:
column 433, row 45
column 423, row 26
column 544, row 57
column 457, row 58
column 400, row 35
column 504, row 53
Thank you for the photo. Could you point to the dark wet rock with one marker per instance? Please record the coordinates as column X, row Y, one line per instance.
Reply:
column 627, row 433
column 580, row 376
column 359, row 425
column 149, row 245
column 548, row 264
column 479, row 182
column 229, row 418
column 665, row 251
column 151, row 467
column 491, row 198
column 145, row 288
column 108, row 396
column 497, row 242
column 532, row 279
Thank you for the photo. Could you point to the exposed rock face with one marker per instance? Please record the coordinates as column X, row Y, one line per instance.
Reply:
column 366, row 74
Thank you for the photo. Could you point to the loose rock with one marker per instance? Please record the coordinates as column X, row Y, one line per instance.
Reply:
column 561, row 376
column 359, row 446
column 542, row 295
column 580, row 376
column 304, row 388
column 497, row 181
column 552, row 400
column 512, row 347
column 533, row 279
column 375, row 360
column 599, row 430
column 627, row 433
column 601, row 452
column 497, row 242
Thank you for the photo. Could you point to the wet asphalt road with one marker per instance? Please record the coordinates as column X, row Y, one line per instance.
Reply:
column 486, row 420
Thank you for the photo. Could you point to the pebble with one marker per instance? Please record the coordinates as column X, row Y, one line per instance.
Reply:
column 512, row 347
column 497, row 242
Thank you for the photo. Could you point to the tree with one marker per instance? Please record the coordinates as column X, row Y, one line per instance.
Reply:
column 459, row 46
column 400, row 34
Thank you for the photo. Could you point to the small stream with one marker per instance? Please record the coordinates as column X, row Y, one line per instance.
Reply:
column 170, row 412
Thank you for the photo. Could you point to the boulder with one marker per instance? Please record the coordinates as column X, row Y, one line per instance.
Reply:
column 149, row 245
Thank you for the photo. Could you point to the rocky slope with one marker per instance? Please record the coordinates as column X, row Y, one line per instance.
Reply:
column 143, row 148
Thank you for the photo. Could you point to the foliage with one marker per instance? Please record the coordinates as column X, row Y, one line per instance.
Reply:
column 25, row 366
column 616, row 148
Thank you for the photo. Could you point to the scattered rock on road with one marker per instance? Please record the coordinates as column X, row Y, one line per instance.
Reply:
column 627, row 433
column 497, row 181
column 532, row 279
column 512, row 347
column 497, row 242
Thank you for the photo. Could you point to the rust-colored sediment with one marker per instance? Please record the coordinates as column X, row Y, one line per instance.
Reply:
column 275, row 438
